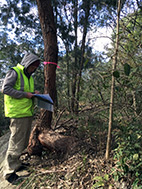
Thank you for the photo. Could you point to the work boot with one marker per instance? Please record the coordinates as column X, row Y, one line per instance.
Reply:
column 12, row 178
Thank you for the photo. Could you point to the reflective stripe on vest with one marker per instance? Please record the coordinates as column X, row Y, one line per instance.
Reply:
column 23, row 107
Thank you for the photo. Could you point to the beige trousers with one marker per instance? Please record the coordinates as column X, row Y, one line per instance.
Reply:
column 20, row 131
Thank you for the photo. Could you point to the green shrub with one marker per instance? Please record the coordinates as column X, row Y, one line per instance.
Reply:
column 128, row 154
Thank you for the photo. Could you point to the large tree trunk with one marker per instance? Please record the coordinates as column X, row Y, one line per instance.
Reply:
column 50, row 55
column 46, row 16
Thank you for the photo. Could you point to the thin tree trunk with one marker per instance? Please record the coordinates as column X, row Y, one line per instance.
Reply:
column 48, row 27
column 68, row 76
column 87, row 5
column 74, row 79
column 134, row 103
column 113, row 84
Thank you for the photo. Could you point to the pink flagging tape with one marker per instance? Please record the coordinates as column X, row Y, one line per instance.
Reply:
column 52, row 63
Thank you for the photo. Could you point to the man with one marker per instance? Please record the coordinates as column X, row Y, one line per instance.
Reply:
column 18, row 88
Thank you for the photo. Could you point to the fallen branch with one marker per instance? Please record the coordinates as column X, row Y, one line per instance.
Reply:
column 63, row 123
column 19, row 186
column 61, row 113
column 87, row 109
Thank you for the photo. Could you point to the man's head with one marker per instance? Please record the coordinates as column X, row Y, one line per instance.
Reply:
column 30, row 62
column 32, row 68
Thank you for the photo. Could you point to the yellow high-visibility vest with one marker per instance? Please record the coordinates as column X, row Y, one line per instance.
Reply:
column 20, row 107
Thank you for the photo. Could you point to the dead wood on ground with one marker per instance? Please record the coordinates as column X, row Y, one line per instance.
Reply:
column 51, row 141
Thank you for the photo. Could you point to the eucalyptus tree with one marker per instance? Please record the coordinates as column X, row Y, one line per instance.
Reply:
column 48, row 27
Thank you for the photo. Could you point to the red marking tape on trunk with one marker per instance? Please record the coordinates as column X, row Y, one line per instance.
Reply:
column 52, row 63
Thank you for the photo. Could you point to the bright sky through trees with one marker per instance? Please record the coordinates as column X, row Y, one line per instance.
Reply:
column 98, row 40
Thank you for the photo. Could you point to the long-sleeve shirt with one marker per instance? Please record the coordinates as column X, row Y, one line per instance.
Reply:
column 8, row 85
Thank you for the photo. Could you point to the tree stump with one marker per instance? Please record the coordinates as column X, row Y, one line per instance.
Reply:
column 51, row 141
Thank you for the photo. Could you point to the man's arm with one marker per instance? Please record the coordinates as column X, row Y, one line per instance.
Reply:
column 9, row 83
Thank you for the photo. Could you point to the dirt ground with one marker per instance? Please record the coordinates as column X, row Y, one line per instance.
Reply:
column 81, row 168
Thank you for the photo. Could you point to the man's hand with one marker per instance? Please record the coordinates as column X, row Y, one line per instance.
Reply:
column 29, row 95
column 37, row 92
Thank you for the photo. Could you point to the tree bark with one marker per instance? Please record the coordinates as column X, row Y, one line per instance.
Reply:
column 50, row 55
column 113, row 83
column 48, row 27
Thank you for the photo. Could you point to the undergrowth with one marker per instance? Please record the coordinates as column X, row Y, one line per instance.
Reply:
column 128, row 154
column 87, row 167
